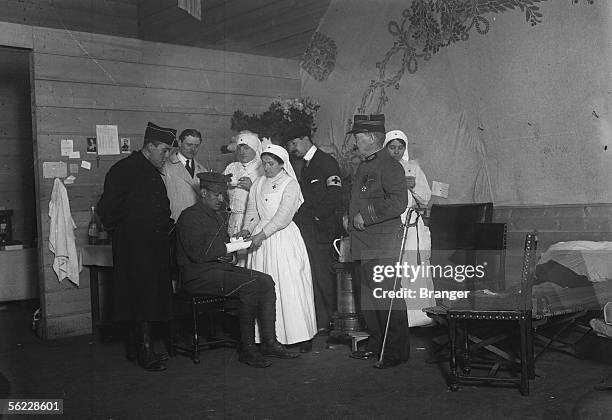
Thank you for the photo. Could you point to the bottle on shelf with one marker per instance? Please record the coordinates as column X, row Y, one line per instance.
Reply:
column 102, row 235
column 93, row 231
column 3, row 229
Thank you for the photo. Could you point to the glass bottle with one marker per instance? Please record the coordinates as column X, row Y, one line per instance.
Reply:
column 3, row 229
column 102, row 235
column 92, row 231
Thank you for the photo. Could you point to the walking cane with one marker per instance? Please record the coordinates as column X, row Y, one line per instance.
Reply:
column 406, row 225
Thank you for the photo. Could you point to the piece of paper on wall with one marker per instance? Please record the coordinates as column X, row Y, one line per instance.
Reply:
column 108, row 139
column 73, row 168
column 69, row 180
column 86, row 165
column 66, row 146
column 55, row 169
column 440, row 189
column 75, row 155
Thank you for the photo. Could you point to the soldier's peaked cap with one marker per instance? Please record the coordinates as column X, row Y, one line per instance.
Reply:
column 368, row 124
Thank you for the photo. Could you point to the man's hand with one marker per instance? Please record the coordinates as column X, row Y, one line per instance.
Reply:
column 358, row 222
column 231, row 258
column 257, row 240
column 244, row 234
column 411, row 181
column 245, row 183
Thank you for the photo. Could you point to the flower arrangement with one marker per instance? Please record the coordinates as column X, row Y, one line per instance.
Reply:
column 278, row 119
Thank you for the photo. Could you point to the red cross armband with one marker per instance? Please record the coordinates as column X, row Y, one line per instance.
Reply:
column 334, row 181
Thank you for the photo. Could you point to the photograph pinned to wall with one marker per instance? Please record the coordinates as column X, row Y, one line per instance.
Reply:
column 108, row 139
column 125, row 145
column 92, row 145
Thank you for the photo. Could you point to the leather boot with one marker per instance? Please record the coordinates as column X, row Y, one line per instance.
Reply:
column 267, row 320
column 306, row 346
column 248, row 352
column 131, row 350
column 147, row 359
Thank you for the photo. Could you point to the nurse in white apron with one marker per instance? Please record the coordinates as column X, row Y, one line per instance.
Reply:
column 418, row 238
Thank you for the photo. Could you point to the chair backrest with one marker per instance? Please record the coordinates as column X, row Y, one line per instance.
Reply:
column 452, row 225
column 490, row 254
column 528, row 269
column 453, row 233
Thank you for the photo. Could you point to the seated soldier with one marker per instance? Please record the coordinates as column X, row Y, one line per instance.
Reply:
column 206, row 267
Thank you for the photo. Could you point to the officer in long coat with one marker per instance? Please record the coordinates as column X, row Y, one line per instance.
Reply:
column 135, row 207
column 378, row 198
column 318, row 217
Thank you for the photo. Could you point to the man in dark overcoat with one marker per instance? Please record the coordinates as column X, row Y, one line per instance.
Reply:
column 204, row 255
column 135, row 207
column 318, row 217
column 379, row 195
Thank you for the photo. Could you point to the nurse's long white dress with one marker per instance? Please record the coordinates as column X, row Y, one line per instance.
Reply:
column 271, row 206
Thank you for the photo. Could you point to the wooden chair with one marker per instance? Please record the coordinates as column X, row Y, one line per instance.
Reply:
column 207, row 305
column 478, row 309
column 463, row 234
column 199, row 304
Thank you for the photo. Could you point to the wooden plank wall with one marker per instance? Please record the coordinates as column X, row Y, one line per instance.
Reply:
column 16, row 161
column 112, row 17
column 267, row 27
column 592, row 222
column 84, row 79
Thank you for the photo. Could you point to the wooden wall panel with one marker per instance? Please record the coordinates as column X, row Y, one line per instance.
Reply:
column 83, row 44
column 101, row 16
column 19, row 269
column 79, row 69
column 233, row 25
column 215, row 129
column 129, row 83
column 15, row 35
column 124, row 98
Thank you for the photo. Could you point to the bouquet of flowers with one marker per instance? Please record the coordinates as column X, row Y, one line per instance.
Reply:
column 278, row 119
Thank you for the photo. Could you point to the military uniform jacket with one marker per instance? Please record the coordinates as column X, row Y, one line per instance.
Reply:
column 135, row 207
column 183, row 190
column 201, row 237
column 380, row 194
column 321, row 186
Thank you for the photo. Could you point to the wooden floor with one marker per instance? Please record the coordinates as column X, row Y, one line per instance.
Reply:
column 96, row 381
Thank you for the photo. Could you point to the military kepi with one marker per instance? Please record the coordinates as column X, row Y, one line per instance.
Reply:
column 374, row 123
column 161, row 134
column 214, row 181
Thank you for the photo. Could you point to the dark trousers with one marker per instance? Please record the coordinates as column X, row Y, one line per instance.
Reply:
column 323, row 278
column 249, row 285
column 375, row 312
column 255, row 291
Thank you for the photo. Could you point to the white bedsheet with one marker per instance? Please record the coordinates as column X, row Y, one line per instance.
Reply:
column 587, row 258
